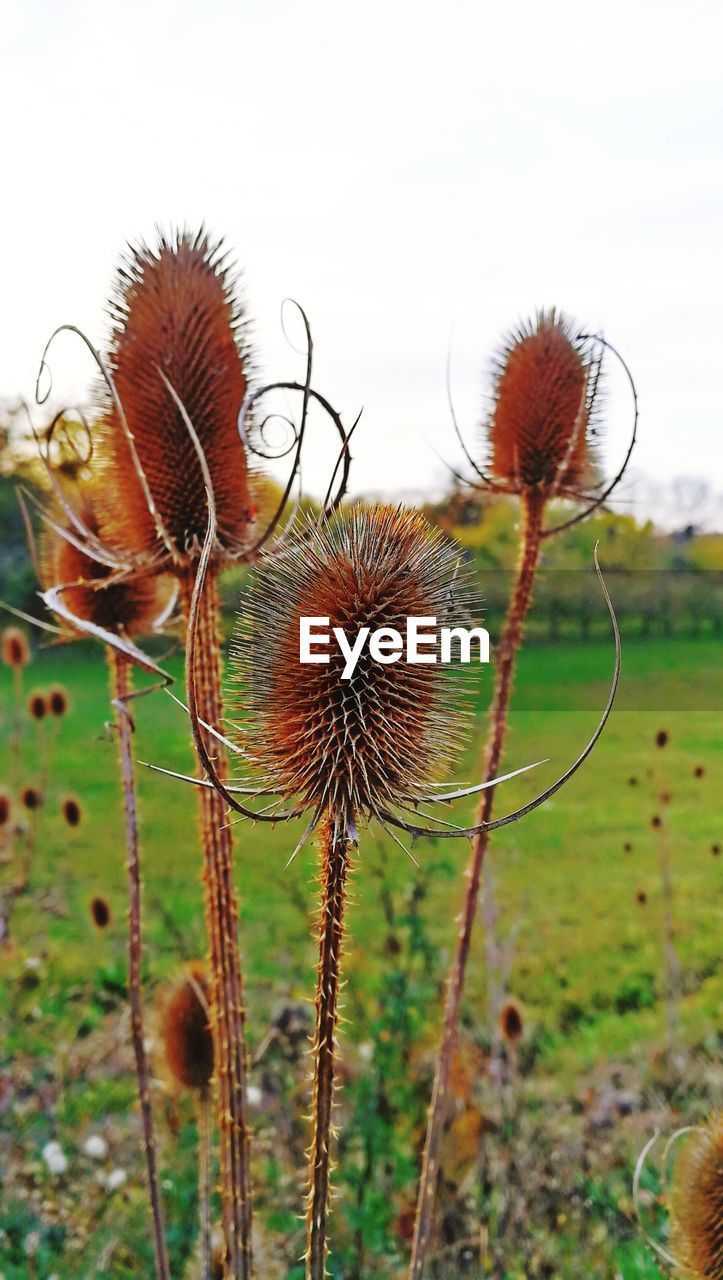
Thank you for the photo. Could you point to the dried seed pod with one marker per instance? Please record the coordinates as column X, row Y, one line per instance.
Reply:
column 176, row 309
column 15, row 648
column 72, row 812
column 100, row 912
column 31, row 798
column 186, row 1031
column 662, row 738
column 37, row 705
column 543, row 418
column 511, row 1021
column 350, row 748
column 696, row 1203
column 58, row 701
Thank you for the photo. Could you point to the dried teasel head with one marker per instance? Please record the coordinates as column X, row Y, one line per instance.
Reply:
column 57, row 701
column 100, row 912
column 543, row 417
column 37, row 705
column 350, row 748
column 15, row 648
column 31, row 798
column 176, row 313
column 72, row 812
column 511, row 1021
column 5, row 808
column 186, row 1031
column 696, row 1203
column 127, row 603
column 662, row 738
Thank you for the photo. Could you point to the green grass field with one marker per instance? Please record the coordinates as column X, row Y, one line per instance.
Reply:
column 587, row 962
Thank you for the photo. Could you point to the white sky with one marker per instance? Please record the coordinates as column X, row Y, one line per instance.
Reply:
column 400, row 168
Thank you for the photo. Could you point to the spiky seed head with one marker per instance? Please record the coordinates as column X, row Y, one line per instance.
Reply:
column 37, row 705
column 15, row 648
column 511, row 1021
column 662, row 738
column 350, row 748
column 696, row 1202
column 5, row 808
column 31, row 798
column 186, row 1031
column 58, row 701
column 100, row 912
column 72, row 812
column 176, row 309
column 128, row 603
column 542, row 418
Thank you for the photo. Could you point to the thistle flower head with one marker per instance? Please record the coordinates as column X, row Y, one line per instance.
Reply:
column 350, row 748
column 543, row 407
column 15, row 648
column 57, row 701
column 697, row 1203
column 100, row 912
column 176, row 311
column 37, row 705
column 186, row 1032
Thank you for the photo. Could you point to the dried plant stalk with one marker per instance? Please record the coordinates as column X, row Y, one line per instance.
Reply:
column 335, row 867
column 533, row 512
column 120, row 672
column 227, row 1012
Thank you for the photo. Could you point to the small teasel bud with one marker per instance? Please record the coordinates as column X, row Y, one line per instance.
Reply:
column 31, row 798
column 37, row 705
column 627, row 847
column 511, row 1021
column 542, row 417
column 5, row 808
column 696, row 1202
column 662, row 738
column 15, row 648
column 641, row 897
column 72, row 812
column 699, row 771
column 665, row 797
column 632, row 782
column 57, row 701
column 715, row 850
column 656, row 821
column 186, row 1031
column 100, row 912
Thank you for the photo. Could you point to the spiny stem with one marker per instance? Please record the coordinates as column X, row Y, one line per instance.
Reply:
column 335, row 866
column 203, row 1120
column 533, row 511
column 120, row 689
column 227, row 1012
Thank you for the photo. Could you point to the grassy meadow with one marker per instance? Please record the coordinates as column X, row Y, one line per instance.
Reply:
column 552, row 1148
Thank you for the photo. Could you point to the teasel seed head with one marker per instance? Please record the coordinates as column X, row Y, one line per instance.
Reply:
column 31, row 798
column 37, row 705
column 543, row 415
column 511, row 1021
column 656, row 821
column 58, row 701
column 72, row 812
column 715, row 850
column 186, row 1031
column 696, row 1203
column 641, row 897
column 176, row 311
column 662, row 738
column 699, row 771
column 5, row 808
column 100, row 912
column 15, row 648
column 350, row 748
column 627, row 847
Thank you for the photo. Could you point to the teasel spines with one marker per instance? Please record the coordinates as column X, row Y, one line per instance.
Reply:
column 350, row 748
column 543, row 417
column 186, row 1031
column 696, row 1203
column 176, row 313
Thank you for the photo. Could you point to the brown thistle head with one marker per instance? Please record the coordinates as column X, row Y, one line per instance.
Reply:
column 37, row 705
column 696, row 1205
column 511, row 1021
column 58, row 701
column 127, row 603
column 31, row 799
column 543, row 414
column 5, row 808
column 176, row 311
column 72, row 812
column 350, row 748
column 100, row 912
column 15, row 648
column 186, row 1031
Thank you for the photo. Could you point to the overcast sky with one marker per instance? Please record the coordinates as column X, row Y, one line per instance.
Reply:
column 403, row 169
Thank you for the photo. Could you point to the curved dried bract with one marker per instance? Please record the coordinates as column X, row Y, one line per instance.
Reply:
column 696, row 1203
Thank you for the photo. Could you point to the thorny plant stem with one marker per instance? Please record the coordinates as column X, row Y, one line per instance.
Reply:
column 120, row 674
column 533, row 510
column 203, row 1122
column 227, row 1011
column 335, row 866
